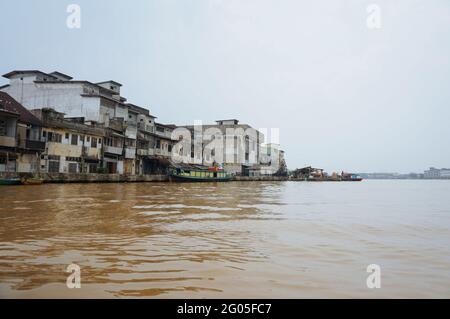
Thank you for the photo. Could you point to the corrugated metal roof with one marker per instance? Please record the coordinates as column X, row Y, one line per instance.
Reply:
column 9, row 104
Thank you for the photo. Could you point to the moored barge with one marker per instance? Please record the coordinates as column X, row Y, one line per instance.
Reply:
column 199, row 175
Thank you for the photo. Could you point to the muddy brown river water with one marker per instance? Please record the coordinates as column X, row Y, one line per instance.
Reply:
column 230, row 240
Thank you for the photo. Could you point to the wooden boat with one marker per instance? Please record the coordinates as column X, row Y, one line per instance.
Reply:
column 32, row 181
column 10, row 181
column 199, row 175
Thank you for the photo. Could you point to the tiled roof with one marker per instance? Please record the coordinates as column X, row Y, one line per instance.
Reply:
column 11, row 105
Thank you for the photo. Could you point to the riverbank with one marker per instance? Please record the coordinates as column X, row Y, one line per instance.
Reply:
column 60, row 178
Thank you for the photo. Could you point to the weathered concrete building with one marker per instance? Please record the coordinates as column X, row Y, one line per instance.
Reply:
column 71, row 146
column 113, row 148
column 95, row 103
column 272, row 161
column 234, row 146
column 20, row 142
column 164, row 141
column 153, row 141
column 90, row 127
column 145, row 140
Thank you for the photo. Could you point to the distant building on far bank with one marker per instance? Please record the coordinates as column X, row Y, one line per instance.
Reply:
column 435, row 173
column 432, row 173
column 391, row 176
column 379, row 175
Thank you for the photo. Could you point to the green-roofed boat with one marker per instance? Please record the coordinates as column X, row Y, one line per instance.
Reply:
column 199, row 175
column 10, row 181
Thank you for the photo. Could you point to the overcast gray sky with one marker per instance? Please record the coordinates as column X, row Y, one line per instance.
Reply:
column 344, row 96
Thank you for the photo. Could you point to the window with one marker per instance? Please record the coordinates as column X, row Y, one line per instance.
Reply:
column 88, row 139
column 170, row 148
column 44, row 134
column 129, row 143
column 73, row 168
column 74, row 139
column 2, row 127
column 53, row 166
column 54, row 137
column 93, row 168
column 67, row 136
column 94, row 143
column 158, row 144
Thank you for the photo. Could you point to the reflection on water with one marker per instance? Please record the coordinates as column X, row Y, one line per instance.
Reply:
column 226, row 240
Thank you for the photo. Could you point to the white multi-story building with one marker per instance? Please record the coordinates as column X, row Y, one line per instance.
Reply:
column 96, row 102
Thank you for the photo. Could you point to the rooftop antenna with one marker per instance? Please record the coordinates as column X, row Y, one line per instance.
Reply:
column 21, row 93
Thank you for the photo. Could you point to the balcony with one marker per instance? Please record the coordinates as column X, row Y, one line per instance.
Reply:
column 165, row 134
column 142, row 152
column 32, row 145
column 130, row 153
column 162, row 152
column 116, row 125
column 131, row 132
column 146, row 128
column 7, row 141
column 90, row 153
column 145, row 152
column 113, row 150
